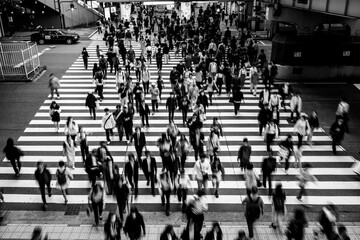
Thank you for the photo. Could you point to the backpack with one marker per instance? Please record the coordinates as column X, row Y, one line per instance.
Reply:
column 253, row 208
column 61, row 176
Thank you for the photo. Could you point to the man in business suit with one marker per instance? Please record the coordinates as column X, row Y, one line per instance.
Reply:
column 171, row 106
column 197, row 141
column 150, row 170
column 132, row 173
column 139, row 142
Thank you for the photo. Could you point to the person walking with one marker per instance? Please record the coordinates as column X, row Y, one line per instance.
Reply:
column 210, row 87
column 149, row 168
column 54, row 85
column 139, row 143
column 96, row 201
column 238, row 97
column 37, row 234
column 71, row 128
column 298, row 155
column 197, row 142
column 296, row 227
column 127, row 119
column 278, row 208
column 212, row 145
column 343, row 112
column 134, row 225
column 201, row 172
column 301, row 128
column 108, row 123
column 314, row 124
column 254, row 207
column 160, row 85
column 159, row 57
column 121, row 191
column 131, row 173
column 43, row 177
column 171, row 105
column 84, row 144
column 69, row 151
column 91, row 103
column 55, row 115
column 63, row 176
column 165, row 188
column 337, row 132
column 304, row 177
column 218, row 173
column 286, row 147
column 85, row 56
column 146, row 77
column 271, row 132
column 244, row 154
column 112, row 227
column 118, row 121
column 251, row 178
column 103, row 64
column 295, row 106
column 183, row 184
column 155, row 98
column 182, row 149
column 144, row 112
column 267, row 167
column 254, row 76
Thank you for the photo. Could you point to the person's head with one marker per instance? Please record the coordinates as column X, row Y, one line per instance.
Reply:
column 299, row 214
column 37, row 233
column 270, row 153
column 200, row 193
column 245, row 142
column 340, row 120
column 153, row 85
column 51, row 75
column 172, row 95
column 202, row 157
column 169, row 229
column 138, row 130
column 61, row 164
column 106, row 110
column 112, row 217
column 10, row 142
column 69, row 120
column 216, row 226
column 125, row 108
column 250, row 167
column 289, row 138
column 306, row 166
column 133, row 212
column 254, row 191
column 182, row 173
column 40, row 165
column 278, row 190
column 342, row 230
column 241, row 235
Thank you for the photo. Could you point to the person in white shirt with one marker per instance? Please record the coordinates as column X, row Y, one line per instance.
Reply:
column 108, row 123
column 201, row 172
column 302, row 128
column 271, row 132
column 295, row 107
column 274, row 101
column 343, row 111
column 182, row 184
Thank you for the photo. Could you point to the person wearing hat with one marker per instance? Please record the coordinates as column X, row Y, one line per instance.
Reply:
column 202, row 171
column 108, row 123
column 171, row 105
column 302, row 128
column 90, row 102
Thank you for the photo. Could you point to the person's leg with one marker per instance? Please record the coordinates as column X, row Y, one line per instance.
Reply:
column 13, row 164
column 264, row 179
column 300, row 137
column 42, row 192
column 153, row 105
column 250, row 224
column 167, row 195
column 107, row 132
column 147, row 120
column 334, row 143
column 96, row 212
column 270, row 187
column 48, row 185
column 183, row 196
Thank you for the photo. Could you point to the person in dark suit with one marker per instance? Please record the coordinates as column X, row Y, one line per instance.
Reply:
column 43, row 177
column 132, row 173
column 197, row 141
column 144, row 112
column 267, row 167
column 171, row 105
column 139, row 142
column 149, row 168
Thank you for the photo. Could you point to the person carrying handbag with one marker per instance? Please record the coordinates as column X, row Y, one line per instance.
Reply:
column 108, row 123
column 201, row 172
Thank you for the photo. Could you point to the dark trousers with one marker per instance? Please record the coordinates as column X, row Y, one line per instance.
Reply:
column 159, row 65
column 287, row 161
column 300, row 138
column 302, row 192
column 146, row 86
column 160, row 92
column 92, row 112
column 166, row 195
column 97, row 209
column 52, row 90
column 108, row 132
column 85, row 63
column 219, row 85
column 128, row 132
column 268, row 177
column 138, row 74
column 184, row 115
column 171, row 114
column 100, row 90
column 335, row 141
column 210, row 97
column 198, row 221
column 182, row 195
column 183, row 160
column 137, row 104
column 292, row 115
column 17, row 167
column 139, row 153
column 104, row 70
column 150, row 178
column 42, row 190
column 261, row 127
column 84, row 148
column 250, row 223
column 197, row 152
column 120, row 129
column 269, row 140
column 154, row 104
column 236, row 107
column 145, row 117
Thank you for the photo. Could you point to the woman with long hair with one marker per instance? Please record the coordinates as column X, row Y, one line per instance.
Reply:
column 85, row 56
column 71, row 128
column 218, row 173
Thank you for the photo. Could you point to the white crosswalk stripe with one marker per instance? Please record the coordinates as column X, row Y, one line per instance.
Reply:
column 40, row 142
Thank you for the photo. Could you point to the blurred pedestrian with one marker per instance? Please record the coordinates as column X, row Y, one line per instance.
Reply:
column 342, row 233
column 298, row 155
column 278, row 208
column 271, row 132
column 195, row 215
column 304, row 178
column 139, row 143
column 297, row 224
column 295, row 106
column 69, row 151
column 131, row 173
column 337, row 132
column 201, row 172
column 215, row 233
column 144, row 112
column 43, row 177
column 122, row 192
column 171, row 105
column 13, row 154
column 149, row 168
column 108, row 124
column 241, row 235
column 286, row 147
column 251, row 178
column 63, row 176
column 254, row 207
column 91, row 103
column 54, row 85
column 168, row 233
column 268, row 166
column 314, row 124
column 218, row 174
column 182, row 185
column 165, row 188
column 71, row 128
column 238, row 97
column 97, row 201
column 134, row 226
column 155, row 99
column 264, row 117
column 343, row 112
column 302, row 128
column 55, row 114
column 112, row 227
column 212, row 145
column 254, row 76
column 37, row 234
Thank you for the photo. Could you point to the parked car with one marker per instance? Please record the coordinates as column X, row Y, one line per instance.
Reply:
column 54, row 36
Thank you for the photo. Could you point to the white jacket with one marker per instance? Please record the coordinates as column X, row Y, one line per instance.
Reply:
column 200, row 167
column 296, row 101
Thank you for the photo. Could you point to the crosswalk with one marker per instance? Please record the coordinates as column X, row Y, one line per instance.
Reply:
column 39, row 141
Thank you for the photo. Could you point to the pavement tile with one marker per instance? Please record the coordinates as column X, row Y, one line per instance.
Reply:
column 74, row 235
column 54, row 235
column 7, row 235
column 58, row 229
column 26, row 235
column 84, row 235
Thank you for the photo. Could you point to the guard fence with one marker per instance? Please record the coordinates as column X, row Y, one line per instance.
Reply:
column 19, row 60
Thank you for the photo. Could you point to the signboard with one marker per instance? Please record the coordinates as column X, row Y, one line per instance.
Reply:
column 107, row 13
column 297, row 54
column 113, row 9
column 125, row 10
column 186, row 10
column 346, row 53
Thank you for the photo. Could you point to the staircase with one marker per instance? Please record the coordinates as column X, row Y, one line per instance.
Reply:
column 81, row 14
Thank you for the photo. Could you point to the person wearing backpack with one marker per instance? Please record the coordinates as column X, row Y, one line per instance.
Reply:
column 254, row 207
column 278, row 208
column 63, row 176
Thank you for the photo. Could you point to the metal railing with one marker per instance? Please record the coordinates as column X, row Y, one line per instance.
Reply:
column 18, row 59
